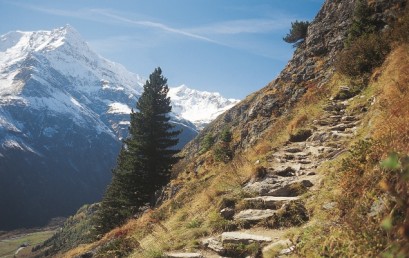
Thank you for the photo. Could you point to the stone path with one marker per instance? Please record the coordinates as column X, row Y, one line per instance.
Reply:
column 291, row 173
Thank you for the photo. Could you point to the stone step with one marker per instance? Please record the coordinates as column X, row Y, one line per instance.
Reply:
column 254, row 215
column 349, row 118
column 243, row 238
column 215, row 244
column 291, row 189
column 184, row 255
column 293, row 149
column 284, row 243
column 268, row 202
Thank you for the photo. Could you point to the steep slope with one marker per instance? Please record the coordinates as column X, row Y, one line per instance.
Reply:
column 63, row 111
column 295, row 178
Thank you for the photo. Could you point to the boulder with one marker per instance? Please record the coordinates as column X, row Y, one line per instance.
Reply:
column 254, row 215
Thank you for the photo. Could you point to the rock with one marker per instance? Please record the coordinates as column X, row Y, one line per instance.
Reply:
column 378, row 207
column 243, row 238
column 292, row 189
column 287, row 250
column 262, row 187
column 311, row 174
column 184, row 255
column 268, row 202
column 348, row 118
column 227, row 213
column 214, row 244
column 286, row 172
column 281, row 243
column 330, row 205
column 300, row 136
column 293, row 149
column 253, row 215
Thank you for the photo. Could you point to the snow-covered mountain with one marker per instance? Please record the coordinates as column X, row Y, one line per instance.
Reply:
column 63, row 111
column 199, row 107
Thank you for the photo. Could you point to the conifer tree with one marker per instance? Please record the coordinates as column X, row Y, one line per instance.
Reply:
column 298, row 33
column 146, row 158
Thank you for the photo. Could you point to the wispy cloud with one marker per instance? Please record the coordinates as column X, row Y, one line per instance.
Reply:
column 154, row 25
column 244, row 26
column 216, row 33
column 101, row 15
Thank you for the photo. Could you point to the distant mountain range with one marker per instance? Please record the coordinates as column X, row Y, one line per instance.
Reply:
column 63, row 112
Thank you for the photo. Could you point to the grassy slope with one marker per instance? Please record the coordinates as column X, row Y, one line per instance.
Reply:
column 354, row 181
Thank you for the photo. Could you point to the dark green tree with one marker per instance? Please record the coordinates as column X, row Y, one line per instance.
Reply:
column 146, row 158
column 298, row 33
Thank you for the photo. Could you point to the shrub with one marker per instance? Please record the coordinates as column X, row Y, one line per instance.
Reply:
column 226, row 135
column 362, row 22
column 206, row 143
column 364, row 54
column 223, row 153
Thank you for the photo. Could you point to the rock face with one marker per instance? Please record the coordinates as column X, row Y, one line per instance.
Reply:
column 310, row 66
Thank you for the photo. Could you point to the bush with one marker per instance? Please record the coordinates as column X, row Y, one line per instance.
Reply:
column 298, row 33
column 226, row 135
column 363, row 55
column 223, row 153
column 206, row 143
column 362, row 22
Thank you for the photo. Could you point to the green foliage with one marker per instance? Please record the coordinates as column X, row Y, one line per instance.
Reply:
column 222, row 152
column 366, row 47
column 226, row 135
column 298, row 33
column 218, row 224
column 206, row 143
column 146, row 158
column 362, row 22
column 363, row 55
column 194, row 223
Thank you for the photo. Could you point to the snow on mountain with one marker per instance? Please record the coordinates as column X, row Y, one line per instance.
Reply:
column 199, row 107
column 63, row 112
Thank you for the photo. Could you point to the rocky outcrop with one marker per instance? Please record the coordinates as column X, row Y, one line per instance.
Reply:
column 310, row 66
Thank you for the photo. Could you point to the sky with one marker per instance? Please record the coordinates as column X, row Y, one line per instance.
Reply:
column 234, row 47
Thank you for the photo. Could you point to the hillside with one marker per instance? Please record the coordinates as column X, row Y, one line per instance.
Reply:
column 316, row 164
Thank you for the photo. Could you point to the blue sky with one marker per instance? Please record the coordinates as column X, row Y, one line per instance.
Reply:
column 234, row 47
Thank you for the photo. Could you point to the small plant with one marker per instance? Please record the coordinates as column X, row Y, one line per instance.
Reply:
column 194, row 223
column 218, row 223
column 154, row 253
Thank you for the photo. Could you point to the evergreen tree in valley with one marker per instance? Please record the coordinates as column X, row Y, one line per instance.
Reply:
column 146, row 158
